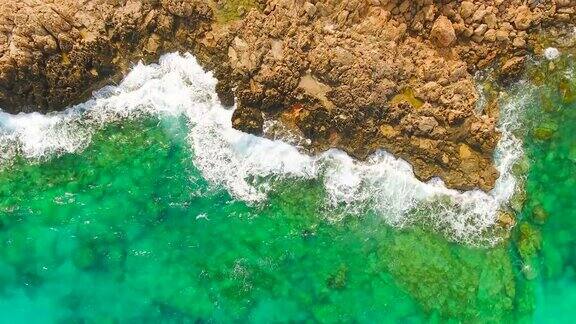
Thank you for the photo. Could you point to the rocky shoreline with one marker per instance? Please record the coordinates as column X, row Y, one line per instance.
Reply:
column 354, row 75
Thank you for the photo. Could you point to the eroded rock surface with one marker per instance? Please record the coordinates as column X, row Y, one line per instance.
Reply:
column 363, row 75
column 54, row 52
column 359, row 75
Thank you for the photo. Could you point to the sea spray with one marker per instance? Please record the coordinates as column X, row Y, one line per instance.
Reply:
column 249, row 167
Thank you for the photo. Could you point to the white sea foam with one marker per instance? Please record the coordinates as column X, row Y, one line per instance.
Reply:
column 35, row 135
column 551, row 53
column 249, row 166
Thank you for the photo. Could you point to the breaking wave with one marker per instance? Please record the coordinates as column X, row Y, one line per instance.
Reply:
column 249, row 166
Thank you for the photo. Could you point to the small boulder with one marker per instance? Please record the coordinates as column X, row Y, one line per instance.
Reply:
column 427, row 124
column 511, row 68
column 480, row 30
column 443, row 32
column 544, row 133
column 502, row 35
column 490, row 35
column 519, row 42
column 466, row 9
column 523, row 18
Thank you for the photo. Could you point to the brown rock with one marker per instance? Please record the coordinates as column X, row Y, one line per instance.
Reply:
column 248, row 120
column 466, row 9
column 354, row 75
column 443, row 32
column 491, row 20
column 490, row 35
column 479, row 15
column 502, row 35
column 63, row 49
column 406, row 103
column 310, row 9
column 523, row 18
column 427, row 124
column 512, row 68
column 519, row 42
column 480, row 30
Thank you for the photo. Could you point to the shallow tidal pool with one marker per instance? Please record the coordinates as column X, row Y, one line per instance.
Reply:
column 124, row 211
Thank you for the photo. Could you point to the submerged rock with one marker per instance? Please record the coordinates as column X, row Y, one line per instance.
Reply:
column 544, row 132
column 529, row 241
column 567, row 93
column 443, row 32
column 339, row 278
column 521, row 167
column 518, row 199
column 539, row 215
column 506, row 219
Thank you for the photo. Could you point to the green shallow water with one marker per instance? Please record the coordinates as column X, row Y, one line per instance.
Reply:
column 128, row 231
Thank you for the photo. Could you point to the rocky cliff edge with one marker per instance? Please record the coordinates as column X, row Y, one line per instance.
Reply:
column 358, row 75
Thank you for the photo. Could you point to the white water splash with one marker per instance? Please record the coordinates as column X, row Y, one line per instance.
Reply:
column 551, row 53
column 249, row 166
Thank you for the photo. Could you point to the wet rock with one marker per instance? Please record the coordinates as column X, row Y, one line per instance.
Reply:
column 338, row 280
column 523, row 18
column 506, row 219
column 512, row 68
column 544, row 133
column 225, row 95
column 521, row 167
column 249, row 120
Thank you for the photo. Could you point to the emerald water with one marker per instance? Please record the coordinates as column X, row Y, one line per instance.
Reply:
column 143, row 205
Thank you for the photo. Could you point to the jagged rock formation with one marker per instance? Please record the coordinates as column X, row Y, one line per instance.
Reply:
column 55, row 52
column 363, row 75
column 357, row 75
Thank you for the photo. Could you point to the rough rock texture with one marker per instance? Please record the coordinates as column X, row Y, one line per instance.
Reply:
column 54, row 52
column 359, row 75
column 362, row 75
column 443, row 32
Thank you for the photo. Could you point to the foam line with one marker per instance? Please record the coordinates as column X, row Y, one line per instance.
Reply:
column 249, row 166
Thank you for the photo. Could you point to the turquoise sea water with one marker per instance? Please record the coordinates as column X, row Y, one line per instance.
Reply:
column 141, row 207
